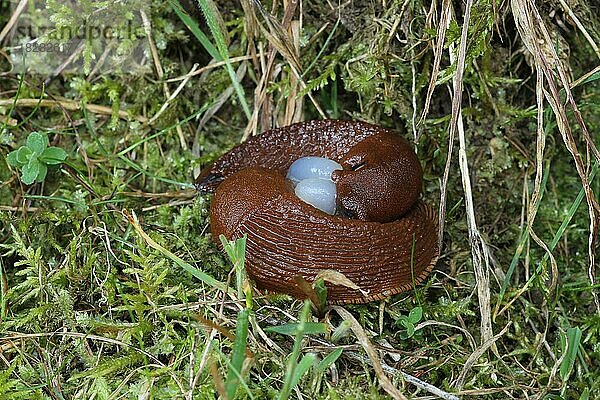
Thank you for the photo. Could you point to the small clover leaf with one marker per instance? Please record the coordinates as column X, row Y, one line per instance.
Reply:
column 30, row 171
column 34, row 157
column 408, row 322
column 415, row 315
column 23, row 156
column 53, row 155
column 37, row 142
column 42, row 173
column 13, row 159
column 410, row 330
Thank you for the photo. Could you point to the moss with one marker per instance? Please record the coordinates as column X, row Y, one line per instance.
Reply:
column 72, row 265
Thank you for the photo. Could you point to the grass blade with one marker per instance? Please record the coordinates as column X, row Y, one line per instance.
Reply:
column 332, row 357
column 573, row 338
column 236, row 251
column 195, row 29
column 292, row 363
column 238, row 355
column 309, row 328
column 520, row 247
column 209, row 10
column 304, row 365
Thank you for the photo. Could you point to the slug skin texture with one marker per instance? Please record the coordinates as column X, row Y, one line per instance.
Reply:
column 384, row 240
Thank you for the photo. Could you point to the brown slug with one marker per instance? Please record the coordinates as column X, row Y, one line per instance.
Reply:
column 384, row 240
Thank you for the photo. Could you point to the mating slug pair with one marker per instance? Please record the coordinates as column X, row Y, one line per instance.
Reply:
column 382, row 238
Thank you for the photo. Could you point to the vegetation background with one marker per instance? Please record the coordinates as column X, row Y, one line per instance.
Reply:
column 113, row 288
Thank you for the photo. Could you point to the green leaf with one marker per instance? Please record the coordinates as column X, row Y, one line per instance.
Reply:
column 410, row 329
column 236, row 251
column 238, row 354
column 415, row 315
column 193, row 26
column 210, row 13
column 23, row 155
column 340, row 331
column 321, row 291
column 292, row 329
column 12, row 160
column 37, row 142
column 31, row 171
column 327, row 361
column 292, row 362
column 572, row 347
column 307, row 361
column 41, row 173
column 53, row 155
column 591, row 78
column 585, row 395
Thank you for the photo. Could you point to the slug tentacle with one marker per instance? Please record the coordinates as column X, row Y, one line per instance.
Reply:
column 388, row 249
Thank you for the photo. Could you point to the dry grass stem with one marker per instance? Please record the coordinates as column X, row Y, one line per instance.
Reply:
column 364, row 341
column 444, row 16
column 70, row 105
column 281, row 39
column 160, row 73
column 172, row 97
column 13, row 19
column 580, row 26
column 211, row 65
column 479, row 249
column 584, row 77
column 222, row 99
column 536, row 38
column 69, row 60
column 465, row 332
column 475, row 356
column 438, row 49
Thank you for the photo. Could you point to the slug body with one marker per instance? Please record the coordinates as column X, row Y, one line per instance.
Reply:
column 385, row 239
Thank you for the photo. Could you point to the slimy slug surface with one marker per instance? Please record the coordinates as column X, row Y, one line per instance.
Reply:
column 383, row 238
